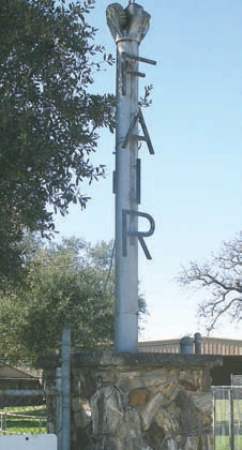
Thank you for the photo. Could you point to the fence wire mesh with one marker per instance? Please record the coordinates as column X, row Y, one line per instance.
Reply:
column 26, row 405
column 228, row 418
column 37, row 402
column 23, row 420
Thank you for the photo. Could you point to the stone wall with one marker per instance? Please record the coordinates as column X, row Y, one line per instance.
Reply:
column 141, row 402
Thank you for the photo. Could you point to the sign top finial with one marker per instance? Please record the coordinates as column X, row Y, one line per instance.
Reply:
column 128, row 23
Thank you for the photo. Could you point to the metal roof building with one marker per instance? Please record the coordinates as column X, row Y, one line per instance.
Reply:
column 210, row 346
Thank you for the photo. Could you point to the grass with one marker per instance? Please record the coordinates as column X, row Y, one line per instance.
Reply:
column 23, row 420
column 222, row 443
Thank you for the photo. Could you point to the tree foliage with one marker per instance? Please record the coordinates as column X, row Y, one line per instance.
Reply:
column 221, row 280
column 48, row 117
column 71, row 282
column 66, row 283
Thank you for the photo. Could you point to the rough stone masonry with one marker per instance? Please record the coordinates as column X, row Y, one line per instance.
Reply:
column 141, row 401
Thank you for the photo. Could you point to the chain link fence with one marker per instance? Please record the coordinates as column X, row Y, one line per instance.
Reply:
column 29, row 405
column 23, row 420
column 23, row 408
column 37, row 402
column 227, row 417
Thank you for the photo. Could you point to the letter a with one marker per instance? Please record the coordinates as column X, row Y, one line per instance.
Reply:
column 146, row 137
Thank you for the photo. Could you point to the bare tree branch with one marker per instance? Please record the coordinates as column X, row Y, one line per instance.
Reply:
column 221, row 280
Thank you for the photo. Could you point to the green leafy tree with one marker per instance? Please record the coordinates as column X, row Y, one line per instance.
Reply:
column 71, row 282
column 49, row 120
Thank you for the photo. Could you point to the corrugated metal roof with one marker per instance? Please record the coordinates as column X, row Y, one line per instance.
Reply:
column 210, row 346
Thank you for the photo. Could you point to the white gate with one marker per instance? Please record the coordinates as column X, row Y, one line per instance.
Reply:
column 38, row 442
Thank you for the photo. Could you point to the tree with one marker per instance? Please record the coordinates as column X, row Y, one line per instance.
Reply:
column 49, row 120
column 68, row 282
column 221, row 279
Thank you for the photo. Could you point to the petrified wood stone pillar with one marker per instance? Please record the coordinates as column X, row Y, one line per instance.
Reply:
column 142, row 402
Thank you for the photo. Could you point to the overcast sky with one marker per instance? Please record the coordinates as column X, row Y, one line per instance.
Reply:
column 192, row 186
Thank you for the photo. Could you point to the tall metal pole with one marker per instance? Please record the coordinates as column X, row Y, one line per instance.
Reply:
column 128, row 27
column 66, row 388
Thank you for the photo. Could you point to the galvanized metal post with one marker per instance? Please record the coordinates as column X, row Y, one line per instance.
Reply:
column 198, row 343
column 58, row 424
column 214, row 418
column 128, row 27
column 186, row 345
column 231, row 419
column 66, row 388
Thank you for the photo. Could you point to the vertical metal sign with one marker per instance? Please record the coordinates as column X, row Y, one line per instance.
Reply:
column 128, row 27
